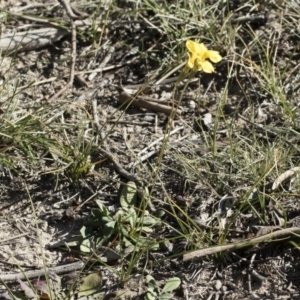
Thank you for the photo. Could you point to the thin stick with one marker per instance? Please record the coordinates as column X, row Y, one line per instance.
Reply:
column 37, row 273
column 13, row 238
column 36, row 19
column 95, row 114
column 68, row 9
column 144, row 157
column 72, row 17
column 249, row 273
column 158, row 140
column 79, row 13
column 238, row 245
column 145, row 102
column 119, row 168
column 170, row 73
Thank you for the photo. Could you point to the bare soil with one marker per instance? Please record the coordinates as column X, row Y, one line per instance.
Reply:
column 35, row 200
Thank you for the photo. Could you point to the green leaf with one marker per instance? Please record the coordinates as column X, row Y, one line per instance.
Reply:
column 107, row 219
column 99, row 216
column 127, row 243
column 150, row 296
column 132, row 217
column 100, row 204
column 85, row 246
column 124, row 231
column 94, row 217
column 90, row 284
column 120, row 214
column 151, row 280
column 146, row 229
column 85, row 232
column 154, row 246
column 149, row 221
column 108, row 229
column 152, row 290
column 146, row 194
column 128, row 195
column 99, row 241
column 171, row 284
column 160, row 213
column 102, row 207
column 165, row 296
column 142, row 242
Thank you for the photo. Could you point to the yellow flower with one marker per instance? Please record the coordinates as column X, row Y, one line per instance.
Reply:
column 198, row 57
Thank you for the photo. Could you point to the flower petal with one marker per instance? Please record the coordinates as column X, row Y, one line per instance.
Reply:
column 200, row 58
column 196, row 48
column 206, row 66
column 198, row 65
column 214, row 56
column 191, row 61
column 190, row 46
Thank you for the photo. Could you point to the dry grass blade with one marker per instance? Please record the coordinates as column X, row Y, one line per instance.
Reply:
column 72, row 17
column 284, row 176
column 235, row 246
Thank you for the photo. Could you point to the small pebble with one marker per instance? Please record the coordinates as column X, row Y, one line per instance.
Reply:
column 92, row 76
column 207, row 119
column 218, row 284
column 192, row 104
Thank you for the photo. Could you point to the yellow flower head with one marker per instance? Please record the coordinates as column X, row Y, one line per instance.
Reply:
column 198, row 57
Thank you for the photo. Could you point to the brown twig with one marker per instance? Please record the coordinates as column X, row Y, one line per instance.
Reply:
column 37, row 273
column 119, row 168
column 79, row 12
column 238, row 245
column 146, row 102
column 68, row 9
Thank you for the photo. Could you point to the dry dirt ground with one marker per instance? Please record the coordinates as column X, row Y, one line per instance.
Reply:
column 47, row 193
